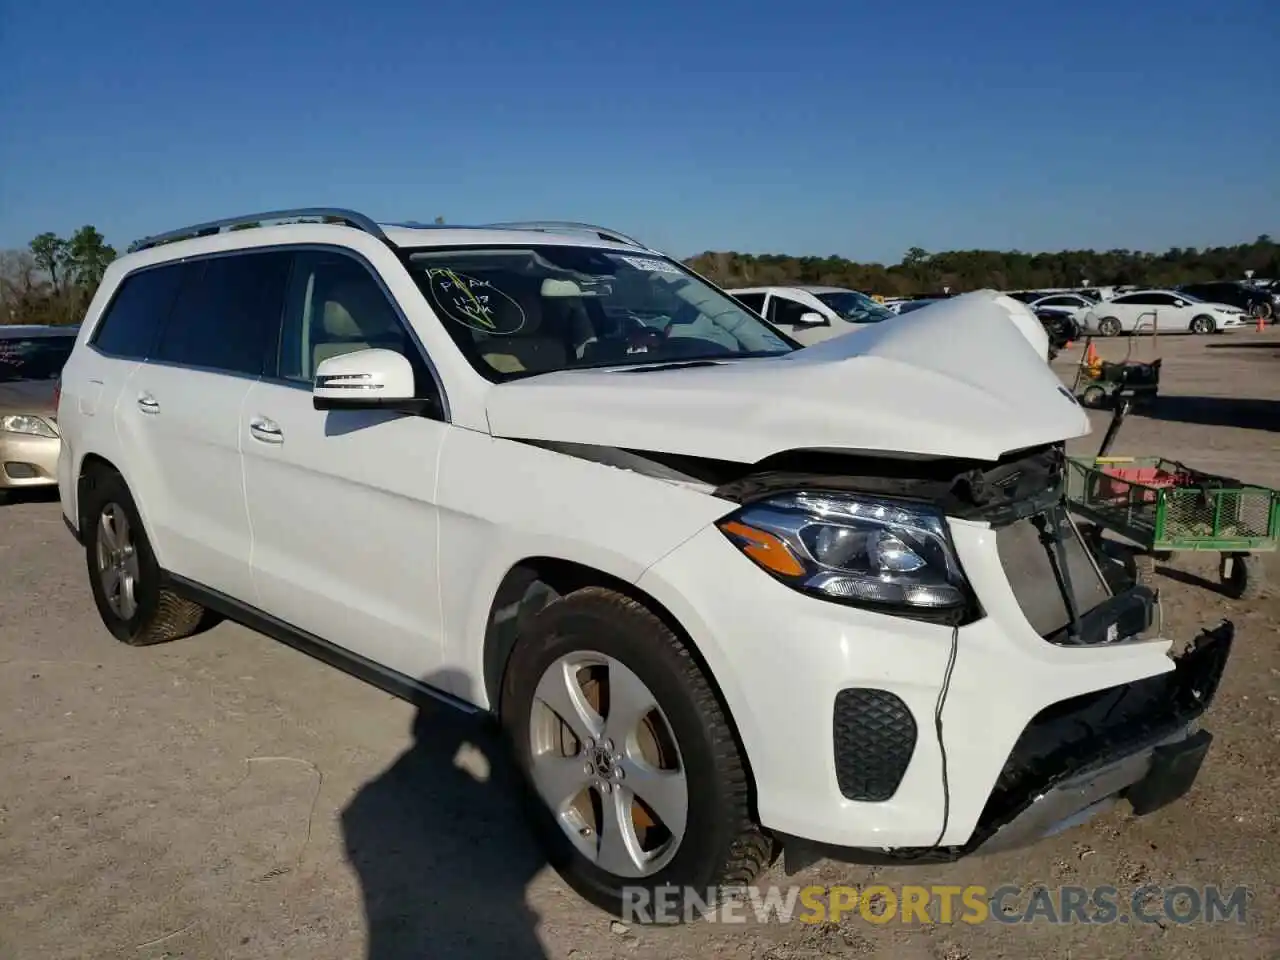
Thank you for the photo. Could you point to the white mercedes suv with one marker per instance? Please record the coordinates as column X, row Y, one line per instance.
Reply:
column 726, row 596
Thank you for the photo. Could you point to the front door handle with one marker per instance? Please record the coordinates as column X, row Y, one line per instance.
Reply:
column 148, row 404
column 268, row 431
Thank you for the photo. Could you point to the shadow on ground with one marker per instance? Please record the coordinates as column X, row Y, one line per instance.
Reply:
column 442, row 850
column 1215, row 412
column 1192, row 580
column 16, row 495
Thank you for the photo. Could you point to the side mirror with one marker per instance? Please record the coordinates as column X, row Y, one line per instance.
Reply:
column 811, row 318
column 370, row 379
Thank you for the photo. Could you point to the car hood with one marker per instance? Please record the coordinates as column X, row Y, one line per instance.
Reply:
column 27, row 396
column 965, row 378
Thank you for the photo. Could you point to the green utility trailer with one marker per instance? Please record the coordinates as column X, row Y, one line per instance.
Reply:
column 1165, row 506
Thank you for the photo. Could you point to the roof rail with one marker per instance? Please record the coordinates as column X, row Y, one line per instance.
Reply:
column 604, row 233
column 349, row 217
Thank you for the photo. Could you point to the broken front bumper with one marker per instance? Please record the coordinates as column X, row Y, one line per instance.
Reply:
column 1135, row 742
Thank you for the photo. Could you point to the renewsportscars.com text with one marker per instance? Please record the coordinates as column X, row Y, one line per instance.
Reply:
column 907, row 904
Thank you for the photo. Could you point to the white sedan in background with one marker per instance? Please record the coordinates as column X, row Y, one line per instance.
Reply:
column 1159, row 311
column 1065, row 304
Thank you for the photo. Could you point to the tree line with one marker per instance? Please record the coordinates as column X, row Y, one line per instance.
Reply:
column 961, row 270
column 53, row 279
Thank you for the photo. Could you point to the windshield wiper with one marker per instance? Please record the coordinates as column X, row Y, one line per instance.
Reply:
column 669, row 365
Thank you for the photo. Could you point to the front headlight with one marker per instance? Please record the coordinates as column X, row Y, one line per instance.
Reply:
column 888, row 555
column 24, row 423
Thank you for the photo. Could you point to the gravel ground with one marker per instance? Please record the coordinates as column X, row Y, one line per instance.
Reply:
column 225, row 796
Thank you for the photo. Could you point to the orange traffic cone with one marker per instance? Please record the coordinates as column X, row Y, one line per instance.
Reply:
column 1090, row 356
column 1262, row 324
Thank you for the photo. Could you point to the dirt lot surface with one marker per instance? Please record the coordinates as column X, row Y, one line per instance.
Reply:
column 225, row 796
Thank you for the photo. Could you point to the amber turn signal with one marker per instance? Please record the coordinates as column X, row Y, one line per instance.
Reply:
column 764, row 548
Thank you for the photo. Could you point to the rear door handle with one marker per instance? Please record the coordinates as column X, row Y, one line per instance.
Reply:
column 268, row 431
column 148, row 404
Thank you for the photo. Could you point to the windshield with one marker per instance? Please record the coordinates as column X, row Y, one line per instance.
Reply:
column 854, row 306
column 33, row 358
column 519, row 311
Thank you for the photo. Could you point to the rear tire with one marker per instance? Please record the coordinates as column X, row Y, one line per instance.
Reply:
column 1203, row 325
column 1109, row 327
column 1242, row 576
column 719, row 843
column 123, row 573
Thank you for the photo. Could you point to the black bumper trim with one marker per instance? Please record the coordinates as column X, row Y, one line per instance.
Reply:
column 874, row 738
column 72, row 530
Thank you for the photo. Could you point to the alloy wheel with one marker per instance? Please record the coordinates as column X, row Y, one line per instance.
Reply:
column 604, row 759
column 118, row 570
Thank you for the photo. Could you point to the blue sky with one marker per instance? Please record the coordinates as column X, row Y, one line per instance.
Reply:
column 851, row 128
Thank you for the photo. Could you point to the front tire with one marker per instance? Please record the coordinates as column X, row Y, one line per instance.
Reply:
column 1203, row 325
column 635, row 781
column 1109, row 327
column 123, row 573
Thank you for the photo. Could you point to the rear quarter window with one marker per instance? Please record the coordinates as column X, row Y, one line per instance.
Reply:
column 135, row 314
column 227, row 315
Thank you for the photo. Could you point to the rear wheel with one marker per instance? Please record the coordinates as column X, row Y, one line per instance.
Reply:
column 1242, row 576
column 1203, row 324
column 123, row 573
column 635, row 781
column 1109, row 327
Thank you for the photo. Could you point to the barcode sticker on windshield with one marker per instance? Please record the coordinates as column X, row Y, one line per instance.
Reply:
column 657, row 266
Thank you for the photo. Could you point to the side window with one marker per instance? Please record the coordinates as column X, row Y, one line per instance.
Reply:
column 137, row 312
column 227, row 314
column 752, row 301
column 1163, row 299
column 1060, row 302
column 335, row 306
column 1138, row 299
column 784, row 312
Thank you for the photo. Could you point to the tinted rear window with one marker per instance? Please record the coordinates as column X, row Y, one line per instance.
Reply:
column 137, row 312
column 227, row 314
column 33, row 358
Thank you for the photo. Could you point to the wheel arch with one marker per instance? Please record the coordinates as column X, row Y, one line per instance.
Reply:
column 94, row 464
column 91, row 465
column 535, row 581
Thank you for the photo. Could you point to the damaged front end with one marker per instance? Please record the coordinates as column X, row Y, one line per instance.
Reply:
column 1070, row 593
column 1132, row 741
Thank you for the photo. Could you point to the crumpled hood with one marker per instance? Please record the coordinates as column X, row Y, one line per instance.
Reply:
column 27, row 396
column 957, row 379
